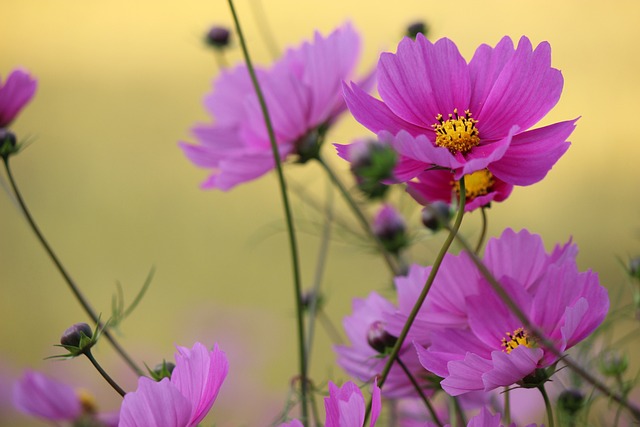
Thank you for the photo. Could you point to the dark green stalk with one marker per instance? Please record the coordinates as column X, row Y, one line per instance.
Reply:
column 459, row 411
column 483, row 232
column 539, row 335
column 507, row 407
column 360, row 217
column 75, row 290
column 288, row 216
column 104, row 374
column 425, row 290
column 418, row 389
column 547, row 405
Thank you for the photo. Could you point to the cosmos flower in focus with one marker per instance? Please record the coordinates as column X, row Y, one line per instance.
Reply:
column 440, row 111
column 16, row 91
column 184, row 399
column 38, row 395
column 477, row 343
column 303, row 96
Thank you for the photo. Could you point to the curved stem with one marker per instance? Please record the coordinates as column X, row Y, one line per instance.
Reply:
column 425, row 290
column 420, row 393
column 360, row 217
column 547, row 405
column 288, row 217
column 483, row 232
column 104, row 374
column 65, row 275
column 539, row 335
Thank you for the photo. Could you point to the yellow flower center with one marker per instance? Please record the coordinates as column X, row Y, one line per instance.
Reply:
column 458, row 134
column 476, row 184
column 517, row 338
column 87, row 401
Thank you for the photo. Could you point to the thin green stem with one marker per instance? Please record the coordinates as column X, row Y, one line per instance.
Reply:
column 459, row 411
column 538, row 334
column 547, row 405
column 288, row 217
column 104, row 374
column 221, row 59
column 425, row 290
column 483, row 231
column 507, row 406
column 388, row 258
column 418, row 389
column 75, row 289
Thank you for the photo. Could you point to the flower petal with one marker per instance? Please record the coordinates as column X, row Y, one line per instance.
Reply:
column 510, row 368
column 16, row 92
column 38, row 395
column 155, row 404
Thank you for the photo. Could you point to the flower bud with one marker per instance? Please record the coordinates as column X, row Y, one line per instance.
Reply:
column 436, row 215
column 77, row 335
column 390, row 228
column 309, row 297
column 218, row 37
column 379, row 339
column 8, row 143
column 613, row 364
column 372, row 161
column 163, row 370
column 634, row 267
column 416, row 28
column 570, row 402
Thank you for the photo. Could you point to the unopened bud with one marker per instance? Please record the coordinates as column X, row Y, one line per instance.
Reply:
column 390, row 228
column 436, row 215
column 163, row 370
column 379, row 339
column 218, row 37
column 372, row 161
column 571, row 401
column 76, row 334
column 8, row 143
column 418, row 27
column 634, row 267
column 613, row 363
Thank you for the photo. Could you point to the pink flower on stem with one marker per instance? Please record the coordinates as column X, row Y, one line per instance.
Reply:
column 182, row 401
column 440, row 111
column 479, row 343
column 43, row 397
column 15, row 93
column 302, row 92
column 345, row 407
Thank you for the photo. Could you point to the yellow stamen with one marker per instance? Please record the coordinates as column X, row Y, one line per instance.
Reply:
column 476, row 184
column 458, row 134
column 87, row 401
column 517, row 338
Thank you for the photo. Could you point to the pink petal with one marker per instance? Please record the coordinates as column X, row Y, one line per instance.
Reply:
column 38, row 395
column 155, row 404
column 16, row 92
column 485, row 419
column 466, row 375
column 510, row 368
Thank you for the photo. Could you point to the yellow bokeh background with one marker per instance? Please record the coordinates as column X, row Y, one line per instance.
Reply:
column 121, row 82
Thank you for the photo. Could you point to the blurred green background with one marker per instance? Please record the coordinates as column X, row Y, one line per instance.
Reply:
column 121, row 82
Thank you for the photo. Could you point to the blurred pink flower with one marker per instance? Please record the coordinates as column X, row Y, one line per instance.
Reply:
column 182, row 401
column 479, row 343
column 43, row 397
column 345, row 407
column 15, row 93
column 440, row 111
column 302, row 92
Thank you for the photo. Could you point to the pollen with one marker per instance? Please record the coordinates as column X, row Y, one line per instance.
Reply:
column 517, row 338
column 476, row 184
column 458, row 133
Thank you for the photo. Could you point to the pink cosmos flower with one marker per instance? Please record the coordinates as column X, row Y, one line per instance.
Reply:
column 182, row 401
column 481, row 188
column 365, row 329
column 477, row 343
column 15, row 93
column 345, row 407
column 302, row 92
column 440, row 111
column 43, row 397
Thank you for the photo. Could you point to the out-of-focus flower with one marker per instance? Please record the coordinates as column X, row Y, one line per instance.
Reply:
column 363, row 361
column 481, row 188
column 15, row 93
column 440, row 111
column 345, row 407
column 478, row 343
column 182, row 401
column 218, row 37
column 389, row 226
column 303, row 96
column 43, row 397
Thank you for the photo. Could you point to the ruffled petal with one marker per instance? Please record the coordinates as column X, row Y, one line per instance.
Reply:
column 155, row 404
column 485, row 419
column 466, row 375
column 38, row 395
column 510, row 368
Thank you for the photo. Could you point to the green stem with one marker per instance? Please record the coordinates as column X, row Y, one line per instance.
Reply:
column 538, row 334
column 459, row 411
column 507, row 407
column 483, row 232
column 418, row 389
column 104, row 374
column 547, row 405
column 360, row 217
column 75, row 290
column 425, row 290
column 288, row 216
